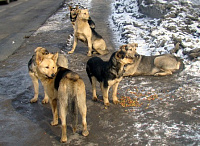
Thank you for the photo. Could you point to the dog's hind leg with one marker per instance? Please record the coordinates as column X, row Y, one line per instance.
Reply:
column 94, row 91
column 114, row 95
column 63, row 113
column 164, row 73
column 36, row 87
column 105, row 93
column 83, row 111
column 74, row 112
column 53, row 103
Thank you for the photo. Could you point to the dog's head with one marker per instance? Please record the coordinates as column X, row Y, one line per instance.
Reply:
column 47, row 65
column 123, row 58
column 73, row 12
column 83, row 14
column 42, row 50
column 130, row 49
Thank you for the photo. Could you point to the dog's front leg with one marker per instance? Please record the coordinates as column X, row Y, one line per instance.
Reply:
column 46, row 98
column 114, row 95
column 105, row 94
column 74, row 45
column 53, row 103
column 89, row 46
column 94, row 98
column 36, row 87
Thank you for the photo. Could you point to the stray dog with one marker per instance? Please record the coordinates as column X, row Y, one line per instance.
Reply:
column 84, row 33
column 108, row 73
column 159, row 65
column 73, row 16
column 65, row 86
column 62, row 61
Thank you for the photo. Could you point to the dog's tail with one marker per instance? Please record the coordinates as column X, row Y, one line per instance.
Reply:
column 73, row 110
column 102, row 52
column 72, row 76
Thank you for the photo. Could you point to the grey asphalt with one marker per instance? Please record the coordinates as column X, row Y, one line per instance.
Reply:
column 20, row 19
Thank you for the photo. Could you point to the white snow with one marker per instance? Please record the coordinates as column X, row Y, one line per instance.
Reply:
column 148, row 33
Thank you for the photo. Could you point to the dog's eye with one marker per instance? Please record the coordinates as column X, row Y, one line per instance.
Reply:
column 47, row 67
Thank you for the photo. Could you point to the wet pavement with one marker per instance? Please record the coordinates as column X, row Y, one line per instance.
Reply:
column 153, row 110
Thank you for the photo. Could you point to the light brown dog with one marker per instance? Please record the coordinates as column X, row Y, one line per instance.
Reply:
column 84, row 33
column 62, row 62
column 159, row 65
column 65, row 86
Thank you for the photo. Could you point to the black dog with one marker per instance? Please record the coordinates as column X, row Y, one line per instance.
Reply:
column 108, row 73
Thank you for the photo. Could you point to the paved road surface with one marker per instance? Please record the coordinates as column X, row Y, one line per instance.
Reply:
column 20, row 19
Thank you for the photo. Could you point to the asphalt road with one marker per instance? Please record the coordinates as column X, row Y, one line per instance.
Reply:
column 20, row 19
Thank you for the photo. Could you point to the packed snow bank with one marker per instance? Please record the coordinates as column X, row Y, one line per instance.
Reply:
column 177, row 32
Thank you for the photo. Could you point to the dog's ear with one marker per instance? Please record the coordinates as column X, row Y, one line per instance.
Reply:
column 70, row 7
column 134, row 44
column 79, row 11
column 55, row 57
column 38, row 49
column 122, row 47
column 120, row 55
column 77, row 7
column 39, row 58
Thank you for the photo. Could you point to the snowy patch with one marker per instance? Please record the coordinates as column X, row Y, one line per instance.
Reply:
column 58, row 21
column 158, row 36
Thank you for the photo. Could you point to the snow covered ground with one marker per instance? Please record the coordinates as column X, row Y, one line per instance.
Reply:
column 153, row 35
column 154, row 38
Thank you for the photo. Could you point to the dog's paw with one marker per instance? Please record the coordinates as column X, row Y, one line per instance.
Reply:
column 116, row 101
column 54, row 123
column 33, row 100
column 107, row 104
column 44, row 101
column 74, row 129
column 156, row 74
column 94, row 99
column 63, row 139
column 89, row 54
column 85, row 133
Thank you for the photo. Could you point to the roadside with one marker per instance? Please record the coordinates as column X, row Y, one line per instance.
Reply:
column 20, row 19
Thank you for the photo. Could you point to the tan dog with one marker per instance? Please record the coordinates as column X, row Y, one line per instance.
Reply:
column 66, row 86
column 62, row 61
column 108, row 73
column 159, row 65
column 84, row 33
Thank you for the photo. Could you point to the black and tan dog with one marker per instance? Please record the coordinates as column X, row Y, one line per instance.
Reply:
column 62, row 62
column 65, row 86
column 108, row 73
column 84, row 33
column 159, row 65
column 74, row 14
